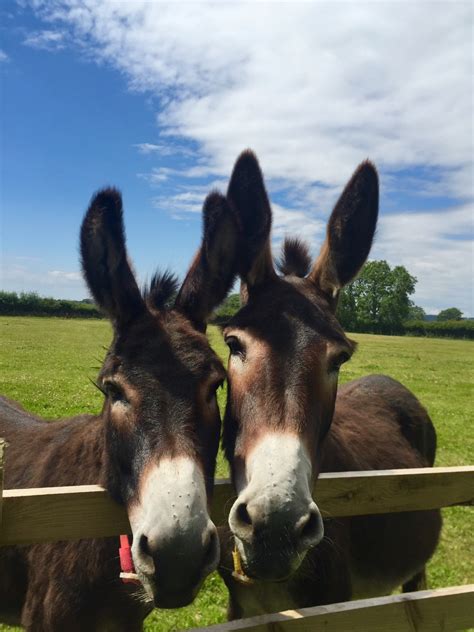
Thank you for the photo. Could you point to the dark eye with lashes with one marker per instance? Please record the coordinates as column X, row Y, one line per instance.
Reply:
column 235, row 346
column 114, row 392
column 338, row 361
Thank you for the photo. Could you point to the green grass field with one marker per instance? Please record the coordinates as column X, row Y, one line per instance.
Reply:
column 46, row 362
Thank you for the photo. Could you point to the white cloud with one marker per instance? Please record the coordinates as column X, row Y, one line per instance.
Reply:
column 313, row 88
column 148, row 148
column 183, row 202
column 437, row 248
column 3, row 56
column 163, row 149
column 30, row 274
column 61, row 275
column 46, row 40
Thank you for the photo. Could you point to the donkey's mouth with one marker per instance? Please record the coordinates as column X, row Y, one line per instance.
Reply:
column 162, row 598
column 251, row 566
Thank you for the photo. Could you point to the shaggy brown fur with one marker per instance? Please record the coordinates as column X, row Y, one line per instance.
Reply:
column 162, row 371
column 286, row 348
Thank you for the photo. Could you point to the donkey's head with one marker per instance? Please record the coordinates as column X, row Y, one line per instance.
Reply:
column 159, row 378
column 286, row 347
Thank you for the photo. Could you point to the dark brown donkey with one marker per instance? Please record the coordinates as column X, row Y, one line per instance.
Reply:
column 153, row 446
column 284, row 423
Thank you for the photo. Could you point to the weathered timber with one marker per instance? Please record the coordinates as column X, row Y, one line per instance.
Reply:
column 443, row 609
column 65, row 513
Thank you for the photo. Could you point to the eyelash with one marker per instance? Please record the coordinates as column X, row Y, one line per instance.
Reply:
column 113, row 390
column 235, row 346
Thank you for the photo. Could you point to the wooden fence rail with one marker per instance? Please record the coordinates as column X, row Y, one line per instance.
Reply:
column 68, row 513
column 424, row 611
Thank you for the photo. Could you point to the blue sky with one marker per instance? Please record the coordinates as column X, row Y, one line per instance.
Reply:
column 159, row 98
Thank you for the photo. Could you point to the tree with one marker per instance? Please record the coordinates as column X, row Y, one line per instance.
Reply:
column 415, row 312
column 378, row 300
column 229, row 307
column 451, row 313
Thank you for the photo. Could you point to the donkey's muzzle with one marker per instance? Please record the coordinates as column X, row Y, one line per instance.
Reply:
column 273, row 543
column 172, row 569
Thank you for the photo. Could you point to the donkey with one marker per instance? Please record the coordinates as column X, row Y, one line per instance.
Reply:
column 153, row 446
column 285, row 422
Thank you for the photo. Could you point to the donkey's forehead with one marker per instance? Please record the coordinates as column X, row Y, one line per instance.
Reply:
column 287, row 308
column 163, row 342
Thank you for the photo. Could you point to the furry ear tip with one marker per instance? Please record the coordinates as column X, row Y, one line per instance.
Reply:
column 214, row 200
column 247, row 161
column 368, row 171
column 215, row 207
column 108, row 197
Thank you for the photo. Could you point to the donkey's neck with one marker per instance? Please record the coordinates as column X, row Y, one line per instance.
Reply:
column 79, row 449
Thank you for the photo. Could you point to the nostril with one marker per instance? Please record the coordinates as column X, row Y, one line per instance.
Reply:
column 243, row 515
column 144, row 545
column 310, row 528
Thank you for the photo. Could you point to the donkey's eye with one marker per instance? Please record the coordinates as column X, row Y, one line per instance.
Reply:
column 114, row 392
column 235, row 346
column 338, row 361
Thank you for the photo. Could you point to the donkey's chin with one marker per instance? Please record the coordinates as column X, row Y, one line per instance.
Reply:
column 266, row 565
column 167, row 599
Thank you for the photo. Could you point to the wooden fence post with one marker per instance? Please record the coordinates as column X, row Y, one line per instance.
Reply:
column 2, row 447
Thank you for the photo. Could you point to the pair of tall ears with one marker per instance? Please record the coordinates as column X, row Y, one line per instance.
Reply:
column 349, row 235
column 110, row 278
column 235, row 239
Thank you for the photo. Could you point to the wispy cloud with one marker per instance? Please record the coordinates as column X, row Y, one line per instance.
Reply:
column 61, row 275
column 46, row 40
column 163, row 149
column 314, row 88
column 3, row 56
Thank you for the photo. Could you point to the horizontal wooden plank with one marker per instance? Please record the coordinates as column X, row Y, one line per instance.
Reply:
column 424, row 611
column 60, row 513
column 386, row 491
column 65, row 513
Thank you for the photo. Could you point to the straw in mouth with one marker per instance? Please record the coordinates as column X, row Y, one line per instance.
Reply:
column 238, row 572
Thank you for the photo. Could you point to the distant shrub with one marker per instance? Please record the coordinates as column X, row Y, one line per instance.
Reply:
column 229, row 307
column 31, row 304
column 446, row 328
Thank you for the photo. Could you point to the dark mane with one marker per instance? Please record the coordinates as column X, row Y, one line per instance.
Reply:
column 161, row 290
column 295, row 258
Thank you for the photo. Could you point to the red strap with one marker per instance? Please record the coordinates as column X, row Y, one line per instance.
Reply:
column 126, row 561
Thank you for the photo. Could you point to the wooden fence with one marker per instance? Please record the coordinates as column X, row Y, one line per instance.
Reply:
column 29, row 516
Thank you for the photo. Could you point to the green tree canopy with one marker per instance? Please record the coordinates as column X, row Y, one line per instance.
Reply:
column 415, row 312
column 229, row 307
column 378, row 300
column 451, row 313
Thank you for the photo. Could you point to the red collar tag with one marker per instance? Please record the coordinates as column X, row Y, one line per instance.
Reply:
column 127, row 569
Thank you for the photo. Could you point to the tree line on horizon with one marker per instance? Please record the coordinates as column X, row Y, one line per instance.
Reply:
column 377, row 301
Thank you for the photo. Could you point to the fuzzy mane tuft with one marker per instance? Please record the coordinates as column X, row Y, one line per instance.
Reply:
column 162, row 290
column 295, row 259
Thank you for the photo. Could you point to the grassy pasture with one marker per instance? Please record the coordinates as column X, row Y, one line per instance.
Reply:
column 45, row 364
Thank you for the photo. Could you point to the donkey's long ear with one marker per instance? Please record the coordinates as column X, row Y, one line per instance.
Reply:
column 104, row 258
column 248, row 199
column 350, row 232
column 214, row 269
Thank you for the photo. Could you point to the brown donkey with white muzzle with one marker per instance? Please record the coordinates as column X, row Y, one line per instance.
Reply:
column 153, row 447
column 286, row 421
